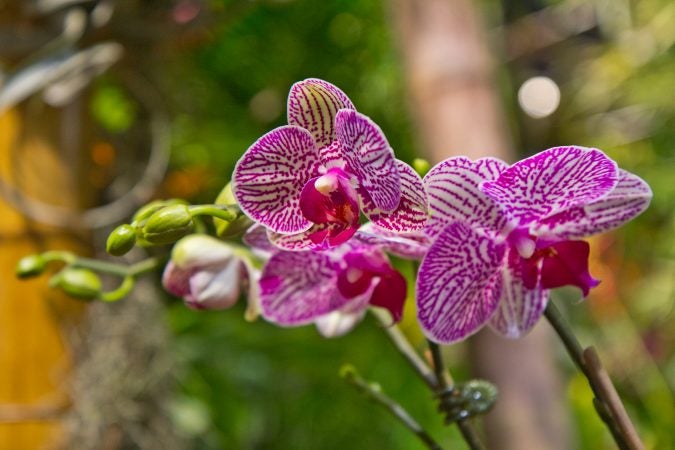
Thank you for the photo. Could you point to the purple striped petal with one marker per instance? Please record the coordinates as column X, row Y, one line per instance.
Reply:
column 370, row 158
column 552, row 181
column 458, row 284
column 412, row 211
column 256, row 238
column 519, row 308
column 412, row 245
column 321, row 236
column 453, row 187
column 298, row 287
column 313, row 104
column 628, row 199
column 269, row 177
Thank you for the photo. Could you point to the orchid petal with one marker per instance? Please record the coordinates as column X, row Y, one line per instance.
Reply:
column 454, row 193
column 391, row 293
column 338, row 323
column 313, row 104
column 176, row 280
column 321, row 236
column 628, row 199
column 552, row 181
column 459, row 283
column 370, row 158
column 567, row 265
column 256, row 238
column 413, row 245
column 519, row 308
column 298, row 287
column 412, row 211
column 215, row 287
column 200, row 250
column 268, row 179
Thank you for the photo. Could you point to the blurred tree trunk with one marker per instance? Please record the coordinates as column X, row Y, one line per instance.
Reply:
column 456, row 108
column 35, row 360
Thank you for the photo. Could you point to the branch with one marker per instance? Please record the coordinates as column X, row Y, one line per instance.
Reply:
column 607, row 401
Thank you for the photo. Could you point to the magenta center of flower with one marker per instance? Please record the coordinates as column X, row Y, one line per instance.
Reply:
column 551, row 264
column 331, row 200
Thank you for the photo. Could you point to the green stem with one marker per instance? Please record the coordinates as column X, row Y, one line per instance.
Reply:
column 226, row 213
column 122, row 291
column 404, row 347
column 607, row 402
column 373, row 393
column 121, row 270
column 443, row 383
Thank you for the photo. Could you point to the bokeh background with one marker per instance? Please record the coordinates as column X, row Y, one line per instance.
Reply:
column 105, row 105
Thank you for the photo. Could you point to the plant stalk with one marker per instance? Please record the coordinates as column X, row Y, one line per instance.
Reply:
column 607, row 401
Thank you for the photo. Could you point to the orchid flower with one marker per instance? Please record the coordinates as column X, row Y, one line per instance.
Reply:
column 506, row 235
column 308, row 181
column 208, row 274
column 332, row 289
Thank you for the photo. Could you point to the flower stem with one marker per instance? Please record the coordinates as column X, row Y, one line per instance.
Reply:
column 374, row 394
column 403, row 345
column 443, row 383
column 226, row 213
column 607, row 401
column 437, row 379
column 121, row 270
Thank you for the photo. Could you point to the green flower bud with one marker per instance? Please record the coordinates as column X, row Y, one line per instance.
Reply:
column 421, row 166
column 30, row 266
column 121, row 240
column 237, row 226
column 168, row 225
column 79, row 283
column 148, row 210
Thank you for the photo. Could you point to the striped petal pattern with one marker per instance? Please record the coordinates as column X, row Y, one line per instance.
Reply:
column 627, row 200
column 313, row 104
column 370, row 158
column 552, row 181
column 412, row 212
column 520, row 308
column 459, row 284
column 412, row 245
column 298, row 287
column 268, row 179
column 453, row 187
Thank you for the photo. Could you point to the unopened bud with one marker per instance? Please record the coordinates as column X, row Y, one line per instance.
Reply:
column 421, row 166
column 154, row 206
column 224, row 228
column 79, row 283
column 30, row 266
column 121, row 240
column 168, row 225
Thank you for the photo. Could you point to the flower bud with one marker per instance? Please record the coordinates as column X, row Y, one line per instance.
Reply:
column 237, row 226
column 421, row 166
column 79, row 283
column 168, row 225
column 148, row 210
column 30, row 266
column 121, row 240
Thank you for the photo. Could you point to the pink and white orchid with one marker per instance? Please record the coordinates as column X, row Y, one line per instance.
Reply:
column 333, row 288
column 308, row 181
column 208, row 274
column 506, row 235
